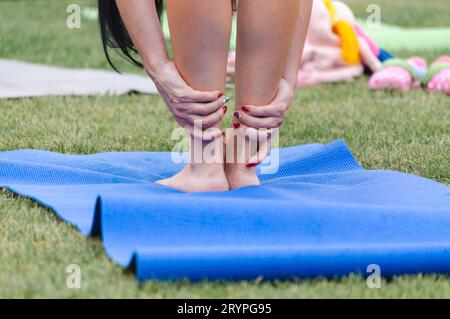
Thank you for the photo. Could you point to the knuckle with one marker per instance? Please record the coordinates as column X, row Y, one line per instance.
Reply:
column 206, row 123
column 173, row 99
column 181, row 94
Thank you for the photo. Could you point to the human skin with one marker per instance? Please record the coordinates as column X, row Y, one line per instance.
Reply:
column 270, row 41
column 270, row 38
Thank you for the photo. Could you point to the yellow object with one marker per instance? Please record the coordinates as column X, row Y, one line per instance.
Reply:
column 346, row 33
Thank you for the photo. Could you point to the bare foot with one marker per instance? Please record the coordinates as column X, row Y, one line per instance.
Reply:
column 198, row 178
column 238, row 175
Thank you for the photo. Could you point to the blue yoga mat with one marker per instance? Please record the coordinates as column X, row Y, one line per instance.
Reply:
column 320, row 214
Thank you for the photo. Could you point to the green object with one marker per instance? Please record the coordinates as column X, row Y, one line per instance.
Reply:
column 432, row 71
column 233, row 34
column 89, row 13
column 400, row 63
column 165, row 25
column 392, row 37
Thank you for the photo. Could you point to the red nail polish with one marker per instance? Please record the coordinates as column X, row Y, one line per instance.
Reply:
column 221, row 94
column 236, row 124
column 237, row 115
column 245, row 109
column 225, row 108
column 250, row 165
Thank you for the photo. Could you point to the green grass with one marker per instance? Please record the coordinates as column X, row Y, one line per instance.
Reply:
column 406, row 132
column 415, row 13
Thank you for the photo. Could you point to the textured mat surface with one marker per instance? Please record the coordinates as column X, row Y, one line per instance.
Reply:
column 319, row 214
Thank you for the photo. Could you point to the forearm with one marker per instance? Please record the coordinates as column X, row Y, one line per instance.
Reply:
column 298, row 42
column 141, row 20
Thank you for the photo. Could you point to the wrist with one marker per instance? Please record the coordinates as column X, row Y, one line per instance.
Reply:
column 153, row 65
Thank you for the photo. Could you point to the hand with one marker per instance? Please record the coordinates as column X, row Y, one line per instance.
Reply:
column 268, row 116
column 188, row 105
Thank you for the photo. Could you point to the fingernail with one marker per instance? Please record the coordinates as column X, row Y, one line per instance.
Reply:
column 225, row 109
column 221, row 94
column 237, row 115
column 236, row 124
column 245, row 109
column 250, row 165
column 226, row 99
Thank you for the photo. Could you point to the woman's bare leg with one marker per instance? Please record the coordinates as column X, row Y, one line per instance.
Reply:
column 264, row 38
column 200, row 35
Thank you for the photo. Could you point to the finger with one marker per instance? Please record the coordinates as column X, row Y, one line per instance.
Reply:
column 204, row 108
column 258, row 122
column 271, row 110
column 209, row 120
column 260, row 156
column 192, row 95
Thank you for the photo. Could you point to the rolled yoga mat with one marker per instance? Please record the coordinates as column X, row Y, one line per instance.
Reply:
column 320, row 214
column 393, row 37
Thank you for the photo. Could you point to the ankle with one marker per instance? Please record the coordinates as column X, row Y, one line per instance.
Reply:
column 238, row 175
column 204, row 155
column 240, row 168
column 205, row 170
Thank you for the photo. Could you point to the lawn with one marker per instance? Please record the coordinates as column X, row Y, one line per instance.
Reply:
column 405, row 132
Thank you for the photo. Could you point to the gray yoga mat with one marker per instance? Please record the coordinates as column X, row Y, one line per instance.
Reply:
column 23, row 79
